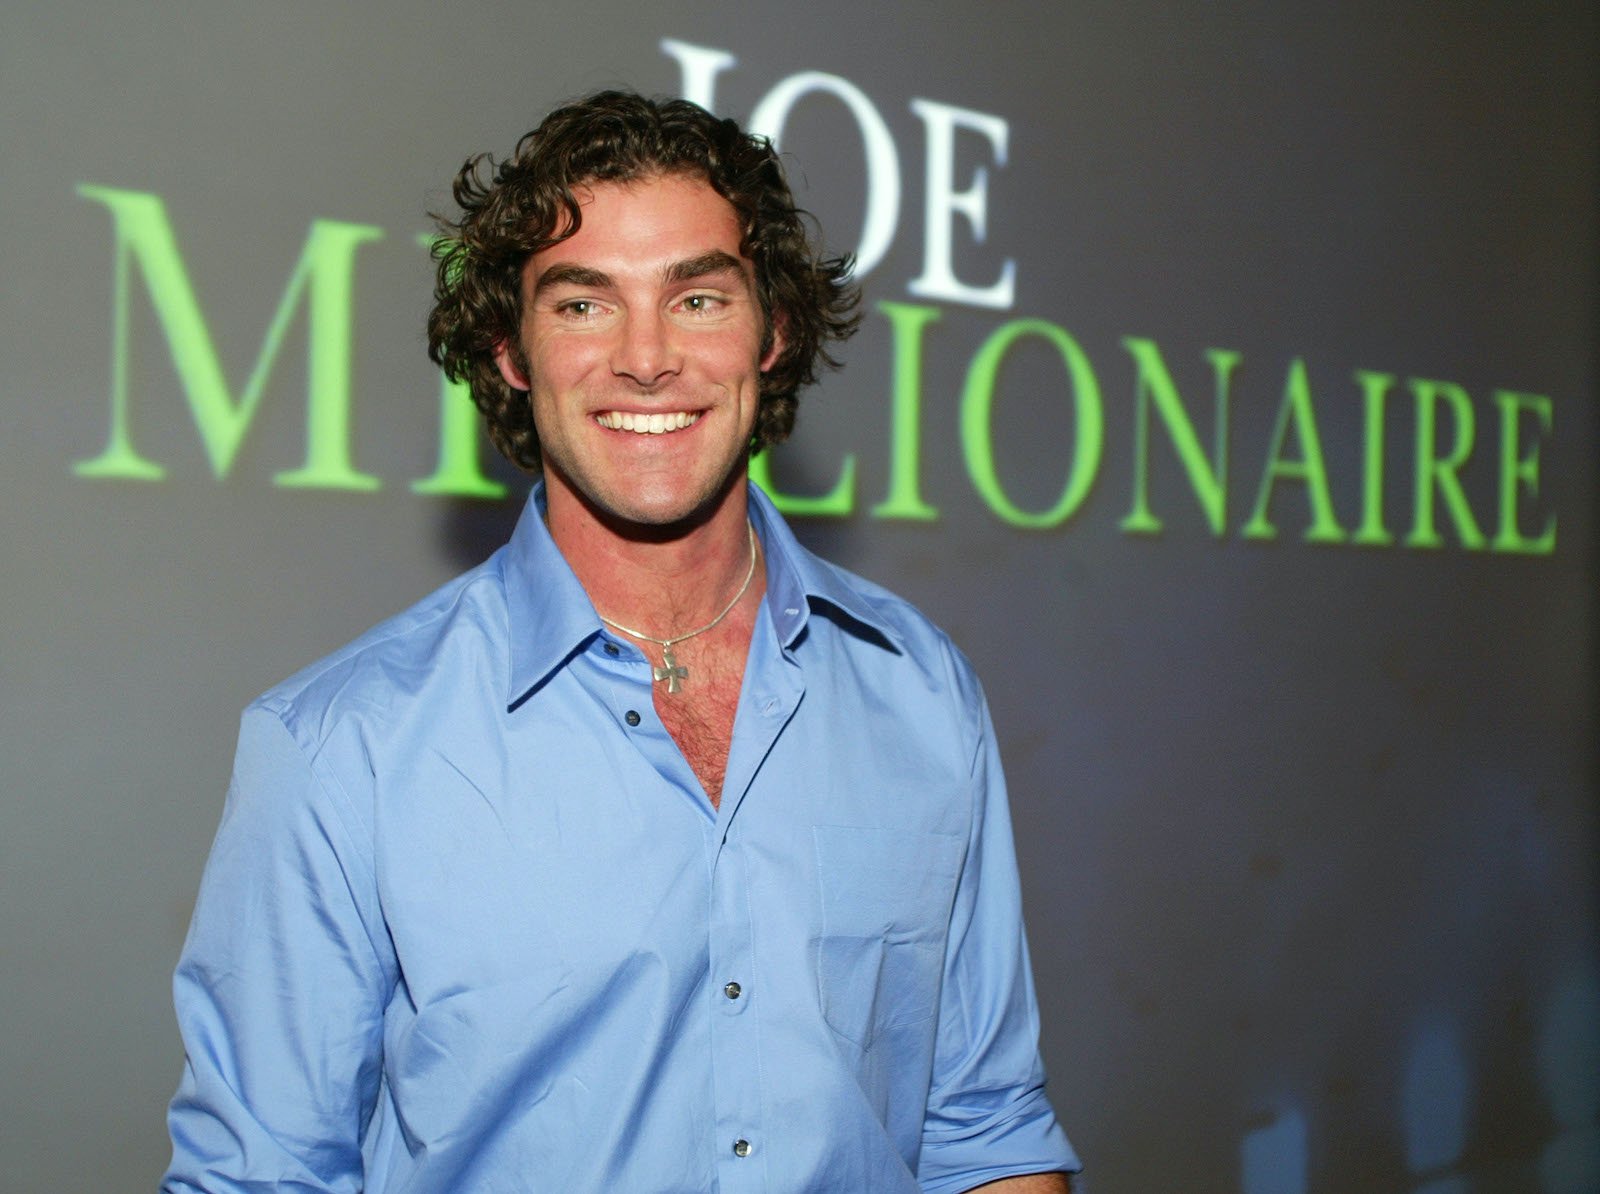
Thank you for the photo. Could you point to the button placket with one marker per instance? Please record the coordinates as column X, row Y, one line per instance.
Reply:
column 735, row 1045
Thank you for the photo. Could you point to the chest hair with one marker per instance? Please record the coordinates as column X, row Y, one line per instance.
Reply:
column 700, row 715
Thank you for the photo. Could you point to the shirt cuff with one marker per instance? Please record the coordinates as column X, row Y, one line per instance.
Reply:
column 1027, row 1139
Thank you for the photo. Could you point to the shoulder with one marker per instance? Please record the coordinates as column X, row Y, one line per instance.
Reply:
column 456, row 632
column 923, row 653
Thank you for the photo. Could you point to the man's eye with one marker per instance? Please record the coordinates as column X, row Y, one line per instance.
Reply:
column 700, row 304
column 579, row 308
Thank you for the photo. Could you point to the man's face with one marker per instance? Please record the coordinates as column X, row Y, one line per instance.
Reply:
column 642, row 339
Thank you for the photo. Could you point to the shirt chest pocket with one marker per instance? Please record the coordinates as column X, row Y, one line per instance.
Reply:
column 886, row 896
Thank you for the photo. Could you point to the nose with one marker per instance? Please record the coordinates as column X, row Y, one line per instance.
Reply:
column 646, row 350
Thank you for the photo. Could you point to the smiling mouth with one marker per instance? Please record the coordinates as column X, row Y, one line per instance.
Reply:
column 658, row 423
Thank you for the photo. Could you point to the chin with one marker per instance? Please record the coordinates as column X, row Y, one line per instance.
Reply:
column 656, row 510
column 661, row 501
column 652, row 498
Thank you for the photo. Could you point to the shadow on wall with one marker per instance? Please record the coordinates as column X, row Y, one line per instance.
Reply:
column 1435, row 1109
column 470, row 531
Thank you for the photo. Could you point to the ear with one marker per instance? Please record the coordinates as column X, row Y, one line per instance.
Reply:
column 510, row 361
column 776, row 344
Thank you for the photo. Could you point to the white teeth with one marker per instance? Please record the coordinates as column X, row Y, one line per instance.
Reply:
column 641, row 424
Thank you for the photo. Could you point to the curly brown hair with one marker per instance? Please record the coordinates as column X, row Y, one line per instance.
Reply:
column 515, row 208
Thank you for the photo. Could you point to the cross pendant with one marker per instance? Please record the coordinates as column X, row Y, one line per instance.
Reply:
column 670, row 671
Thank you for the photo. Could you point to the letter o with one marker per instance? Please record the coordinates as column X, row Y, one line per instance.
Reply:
column 977, row 402
column 883, row 166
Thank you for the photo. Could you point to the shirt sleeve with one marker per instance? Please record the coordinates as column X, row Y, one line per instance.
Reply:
column 988, row 1116
column 282, row 983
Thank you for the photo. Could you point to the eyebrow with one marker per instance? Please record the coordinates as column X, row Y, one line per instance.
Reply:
column 715, row 261
column 707, row 264
column 567, row 274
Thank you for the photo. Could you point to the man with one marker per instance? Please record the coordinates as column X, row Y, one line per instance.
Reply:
column 654, row 854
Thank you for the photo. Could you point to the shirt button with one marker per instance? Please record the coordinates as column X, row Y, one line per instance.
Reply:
column 741, row 1148
column 733, row 990
column 631, row 717
column 612, row 649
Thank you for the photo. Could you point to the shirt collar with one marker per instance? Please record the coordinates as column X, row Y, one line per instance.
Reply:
column 551, row 617
column 796, row 579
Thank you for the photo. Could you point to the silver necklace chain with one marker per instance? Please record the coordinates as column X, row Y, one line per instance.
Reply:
column 671, row 670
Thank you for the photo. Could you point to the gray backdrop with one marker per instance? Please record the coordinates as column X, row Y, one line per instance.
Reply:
column 1305, row 788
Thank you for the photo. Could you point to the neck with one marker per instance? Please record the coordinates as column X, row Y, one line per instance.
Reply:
column 663, row 580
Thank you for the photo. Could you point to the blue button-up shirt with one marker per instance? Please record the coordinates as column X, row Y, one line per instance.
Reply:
column 471, row 924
